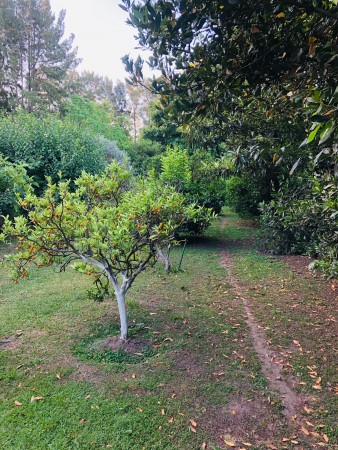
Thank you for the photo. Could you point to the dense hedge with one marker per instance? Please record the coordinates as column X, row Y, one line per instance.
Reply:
column 304, row 220
column 13, row 180
column 48, row 146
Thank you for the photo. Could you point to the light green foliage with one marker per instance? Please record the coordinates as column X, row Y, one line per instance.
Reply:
column 96, row 117
column 200, row 178
column 109, row 224
column 13, row 180
column 175, row 167
column 49, row 145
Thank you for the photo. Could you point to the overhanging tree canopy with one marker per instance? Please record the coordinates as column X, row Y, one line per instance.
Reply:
column 210, row 53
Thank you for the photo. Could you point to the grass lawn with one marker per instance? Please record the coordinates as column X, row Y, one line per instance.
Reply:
column 196, row 381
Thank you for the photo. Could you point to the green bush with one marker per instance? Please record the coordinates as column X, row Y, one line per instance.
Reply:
column 144, row 156
column 13, row 180
column 243, row 196
column 48, row 146
column 199, row 177
column 305, row 222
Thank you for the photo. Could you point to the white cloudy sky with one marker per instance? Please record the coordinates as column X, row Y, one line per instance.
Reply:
column 101, row 34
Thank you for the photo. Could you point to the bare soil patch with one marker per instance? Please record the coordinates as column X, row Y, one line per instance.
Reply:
column 186, row 361
column 9, row 343
column 114, row 344
column 243, row 420
column 80, row 371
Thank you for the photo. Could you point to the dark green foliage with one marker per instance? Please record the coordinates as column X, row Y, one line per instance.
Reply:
column 258, row 80
column 207, row 186
column 145, row 155
column 34, row 56
column 244, row 196
column 304, row 220
column 48, row 146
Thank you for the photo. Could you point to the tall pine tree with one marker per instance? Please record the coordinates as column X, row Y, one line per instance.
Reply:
column 34, row 57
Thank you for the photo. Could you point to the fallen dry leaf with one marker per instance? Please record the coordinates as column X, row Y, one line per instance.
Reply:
column 309, row 424
column 317, row 386
column 203, row 446
column 58, row 376
column 139, row 409
column 247, row 444
column 133, row 376
column 305, row 431
column 272, row 447
column 325, row 437
column 285, row 440
column 314, row 433
column 81, row 421
column 17, row 403
column 193, row 423
column 18, row 333
column 193, row 429
column 171, row 420
column 163, row 412
column 36, row 399
column 229, row 443
column 307, row 410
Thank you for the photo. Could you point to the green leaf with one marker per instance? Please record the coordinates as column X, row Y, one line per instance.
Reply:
column 313, row 133
column 324, row 136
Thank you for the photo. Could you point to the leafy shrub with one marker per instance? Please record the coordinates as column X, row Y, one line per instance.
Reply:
column 144, row 156
column 97, row 118
column 13, row 179
column 305, row 222
column 200, row 178
column 49, row 145
column 111, row 151
column 243, row 196
column 176, row 168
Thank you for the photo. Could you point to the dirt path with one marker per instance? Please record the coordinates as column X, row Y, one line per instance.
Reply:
column 293, row 403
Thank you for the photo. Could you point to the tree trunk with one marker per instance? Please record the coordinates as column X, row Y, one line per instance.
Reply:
column 121, row 303
column 165, row 257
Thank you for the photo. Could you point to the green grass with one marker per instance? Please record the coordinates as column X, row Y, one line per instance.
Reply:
column 197, row 362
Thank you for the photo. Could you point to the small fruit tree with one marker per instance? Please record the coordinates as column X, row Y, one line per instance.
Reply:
column 110, row 223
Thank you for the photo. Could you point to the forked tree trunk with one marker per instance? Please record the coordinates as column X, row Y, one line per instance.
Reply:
column 165, row 257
